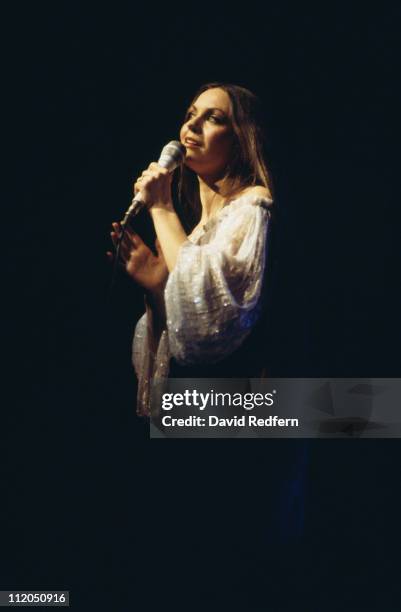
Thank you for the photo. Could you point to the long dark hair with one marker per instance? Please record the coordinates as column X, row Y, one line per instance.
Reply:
column 247, row 166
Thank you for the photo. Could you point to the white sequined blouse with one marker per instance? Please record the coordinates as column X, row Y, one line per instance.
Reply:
column 212, row 295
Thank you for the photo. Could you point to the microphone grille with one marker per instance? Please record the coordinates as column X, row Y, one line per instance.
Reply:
column 172, row 155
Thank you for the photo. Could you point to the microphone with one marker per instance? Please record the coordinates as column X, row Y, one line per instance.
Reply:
column 172, row 155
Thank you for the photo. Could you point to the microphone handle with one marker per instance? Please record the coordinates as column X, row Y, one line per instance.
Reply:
column 137, row 203
column 136, row 206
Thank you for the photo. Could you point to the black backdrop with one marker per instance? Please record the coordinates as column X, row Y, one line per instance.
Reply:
column 94, row 92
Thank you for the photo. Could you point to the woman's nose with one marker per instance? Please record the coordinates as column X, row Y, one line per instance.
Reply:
column 194, row 125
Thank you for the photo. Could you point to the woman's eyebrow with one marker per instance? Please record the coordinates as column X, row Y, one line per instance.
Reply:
column 211, row 108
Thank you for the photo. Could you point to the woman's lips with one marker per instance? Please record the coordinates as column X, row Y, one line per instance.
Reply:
column 191, row 143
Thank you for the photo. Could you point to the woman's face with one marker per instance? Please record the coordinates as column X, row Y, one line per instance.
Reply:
column 207, row 133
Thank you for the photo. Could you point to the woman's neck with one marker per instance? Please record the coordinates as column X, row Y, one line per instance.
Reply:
column 213, row 194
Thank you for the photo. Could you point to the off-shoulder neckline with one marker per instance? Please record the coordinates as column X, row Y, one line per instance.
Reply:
column 254, row 197
column 249, row 194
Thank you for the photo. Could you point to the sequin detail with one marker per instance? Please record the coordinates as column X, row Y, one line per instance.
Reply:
column 212, row 296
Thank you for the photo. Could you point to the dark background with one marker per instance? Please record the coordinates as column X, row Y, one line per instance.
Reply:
column 92, row 95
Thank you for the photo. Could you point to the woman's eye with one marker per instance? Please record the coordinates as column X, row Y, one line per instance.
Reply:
column 215, row 119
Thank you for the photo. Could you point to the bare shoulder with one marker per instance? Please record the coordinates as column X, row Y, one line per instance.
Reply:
column 257, row 190
column 260, row 192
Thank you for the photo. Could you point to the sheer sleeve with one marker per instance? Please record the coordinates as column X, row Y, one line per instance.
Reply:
column 150, row 359
column 140, row 346
column 213, row 294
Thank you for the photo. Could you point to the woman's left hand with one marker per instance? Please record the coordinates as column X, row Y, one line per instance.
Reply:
column 155, row 187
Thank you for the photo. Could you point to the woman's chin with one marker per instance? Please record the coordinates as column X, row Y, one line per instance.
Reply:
column 192, row 163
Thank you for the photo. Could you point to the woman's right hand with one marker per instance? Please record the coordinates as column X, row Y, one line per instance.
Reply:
column 142, row 265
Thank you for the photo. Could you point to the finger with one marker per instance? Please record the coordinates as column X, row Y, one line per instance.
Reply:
column 155, row 167
column 154, row 172
column 111, row 258
column 127, row 239
column 116, row 229
column 130, row 239
column 114, row 238
column 129, row 243
column 135, row 238
column 135, row 184
column 124, row 257
column 133, row 263
column 124, row 248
